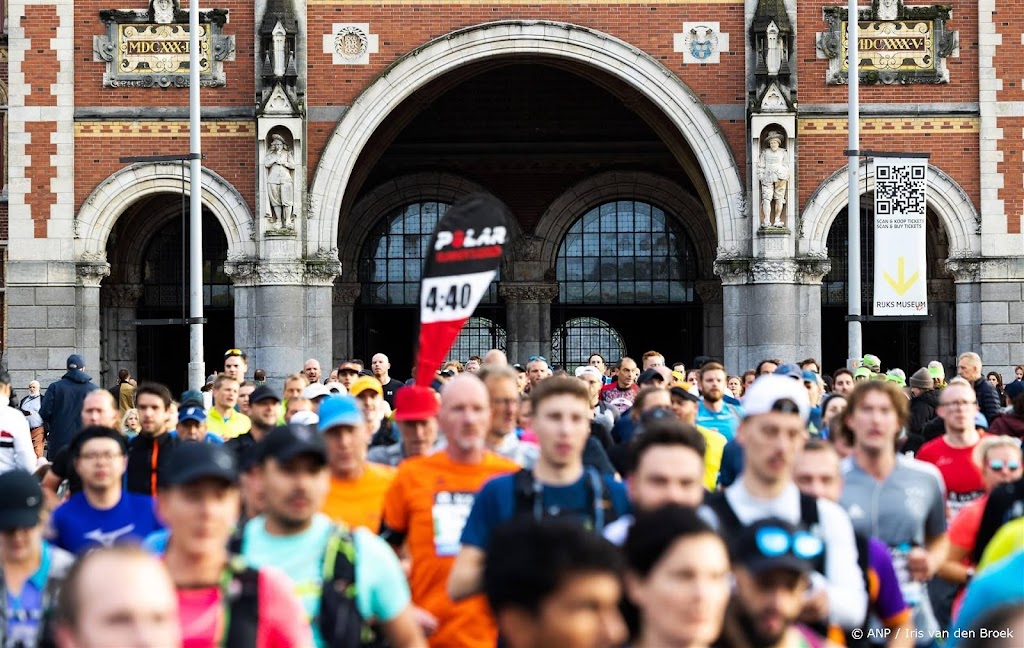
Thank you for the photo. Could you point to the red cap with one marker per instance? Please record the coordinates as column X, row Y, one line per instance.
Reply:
column 415, row 403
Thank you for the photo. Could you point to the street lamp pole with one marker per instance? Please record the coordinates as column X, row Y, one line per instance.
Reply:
column 196, row 364
column 854, row 317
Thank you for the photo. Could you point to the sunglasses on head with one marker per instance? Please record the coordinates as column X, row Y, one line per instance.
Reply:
column 233, row 352
column 997, row 465
column 535, row 358
column 775, row 541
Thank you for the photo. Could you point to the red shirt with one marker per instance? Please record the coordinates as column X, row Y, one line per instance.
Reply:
column 962, row 477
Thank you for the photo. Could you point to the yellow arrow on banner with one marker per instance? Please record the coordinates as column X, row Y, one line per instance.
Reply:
column 901, row 284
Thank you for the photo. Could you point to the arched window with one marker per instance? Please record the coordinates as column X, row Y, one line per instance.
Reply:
column 391, row 265
column 479, row 336
column 581, row 337
column 626, row 252
column 163, row 267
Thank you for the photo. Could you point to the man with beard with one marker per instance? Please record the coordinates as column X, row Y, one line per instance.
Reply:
column 713, row 412
column 428, row 504
column 772, row 568
column 292, row 536
column 842, row 381
column 149, row 450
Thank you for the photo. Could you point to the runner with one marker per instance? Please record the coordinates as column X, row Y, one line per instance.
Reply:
column 149, row 450
column 358, row 487
column 103, row 513
column 678, row 578
column 220, row 598
column 714, row 412
column 552, row 584
column 894, row 498
column 558, row 486
column 31, row 569
column 427, row 507
column 416, row 419
column 293, row 537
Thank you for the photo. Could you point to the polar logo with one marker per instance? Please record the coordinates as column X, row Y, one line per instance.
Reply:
column 468, row 238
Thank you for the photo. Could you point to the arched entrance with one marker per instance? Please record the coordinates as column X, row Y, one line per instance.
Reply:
column 951, row 233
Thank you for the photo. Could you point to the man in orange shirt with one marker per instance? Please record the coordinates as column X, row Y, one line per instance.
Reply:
column 428, row 504
column 356, row 496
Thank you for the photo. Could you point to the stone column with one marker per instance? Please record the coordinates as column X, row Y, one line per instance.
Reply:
column 283, row 313
column 346, row 293
column 87, row 315
column 938, row 334
column 528, row 308
column 966, row 275
column 710, row 292
column 118, row 335
column 995, row 286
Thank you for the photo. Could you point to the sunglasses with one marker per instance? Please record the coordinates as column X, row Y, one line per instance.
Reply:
column 774, row 542
column 541, row 358
column 997, row 466
column 233, row 352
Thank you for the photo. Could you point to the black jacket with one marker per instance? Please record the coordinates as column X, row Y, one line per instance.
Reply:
column 922, row 410
column 988, row 399
column 139, row 476
column 62, row 409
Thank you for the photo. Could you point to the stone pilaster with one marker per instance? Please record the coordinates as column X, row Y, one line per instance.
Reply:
column 87, row 313
column 966, row 276
column 994, row 326
column 528, row 308
column 118, row 334
column 346, row 294
column 710, row 292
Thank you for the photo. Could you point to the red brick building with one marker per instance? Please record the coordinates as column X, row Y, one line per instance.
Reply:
column 623, row 138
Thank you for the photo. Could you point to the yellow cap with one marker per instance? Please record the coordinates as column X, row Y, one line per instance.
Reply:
column 362, row 383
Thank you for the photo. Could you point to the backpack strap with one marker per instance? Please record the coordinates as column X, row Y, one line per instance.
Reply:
column 527, row 494
column 809, row 519
column 340, row 621
column 728, row 522
column 240, row 589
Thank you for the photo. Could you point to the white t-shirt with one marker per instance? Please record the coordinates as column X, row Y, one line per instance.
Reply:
column 16, row 449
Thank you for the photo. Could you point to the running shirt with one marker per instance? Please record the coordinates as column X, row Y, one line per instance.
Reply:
column 724, row 422
column 618, row 398
column 24, row 610
column 360, row 502
column 429, row 501
column 884, row 586
column 77, row 527
column 236, row 424
column 381, row 590
column 904, row 511
column 281, row 622
column 961, row 477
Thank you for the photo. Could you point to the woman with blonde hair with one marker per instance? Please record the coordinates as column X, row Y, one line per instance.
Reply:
column 130, row 425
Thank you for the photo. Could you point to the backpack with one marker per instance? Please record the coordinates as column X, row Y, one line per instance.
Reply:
column 528, row 493
column 339, row 622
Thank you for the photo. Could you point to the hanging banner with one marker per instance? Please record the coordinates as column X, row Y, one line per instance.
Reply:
column 462, row 261
column 901, row 272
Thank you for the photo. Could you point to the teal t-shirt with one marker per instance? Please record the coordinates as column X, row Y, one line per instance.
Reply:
column 381, row 589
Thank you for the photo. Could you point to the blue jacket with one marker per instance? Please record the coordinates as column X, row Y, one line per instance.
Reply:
column 62, row 409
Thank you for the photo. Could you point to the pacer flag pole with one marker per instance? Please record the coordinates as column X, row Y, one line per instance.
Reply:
column 901, row 269
column 463, row 259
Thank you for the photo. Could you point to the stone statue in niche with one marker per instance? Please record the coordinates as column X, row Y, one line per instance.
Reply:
column 163, row 11
column 888, row 9
column 280, row 187
column 773, row 174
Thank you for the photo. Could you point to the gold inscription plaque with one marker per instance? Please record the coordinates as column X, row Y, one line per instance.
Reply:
column 159, row 49
column 893, row 45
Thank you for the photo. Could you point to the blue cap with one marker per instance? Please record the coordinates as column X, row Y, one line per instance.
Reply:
column 75, row 362
column 339, row 409
column 980, row 421
column 789, row 370
column 809, row 376
column 192, row 413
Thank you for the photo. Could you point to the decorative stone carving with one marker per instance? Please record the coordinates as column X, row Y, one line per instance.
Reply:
column 280, row 165
column 276, row 67
column 323, row 268
column 913, row 43
column 964, row 270
column 529, row 248
column 91, row 273
column 774, row 271
column 732, row 271
column 811, row 270
column 242, row 271
column 150, row 48
column 528, row 292
column 351, row 43
column 121, row 295
column 710, row 291
column 346, row 293
column 772, row 39
column 773, row 174
column 701, row 42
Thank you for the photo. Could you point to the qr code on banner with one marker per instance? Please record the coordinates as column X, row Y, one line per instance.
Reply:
column 899, row 189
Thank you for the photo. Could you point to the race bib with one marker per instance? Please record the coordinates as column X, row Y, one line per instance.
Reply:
column 913, row 591
column 450, row 512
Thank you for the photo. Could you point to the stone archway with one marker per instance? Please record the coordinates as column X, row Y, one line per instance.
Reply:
column 949, row 201
column 560, row 41
column 112, row 197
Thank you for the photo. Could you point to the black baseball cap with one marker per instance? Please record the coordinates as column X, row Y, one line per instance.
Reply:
column 649, row 375
column 518, row 367
column 682, row 393
column 285, row 442
column 263, row 393
column 190, row 462
column 774, row 543
column 96, row 432
column 21, row 499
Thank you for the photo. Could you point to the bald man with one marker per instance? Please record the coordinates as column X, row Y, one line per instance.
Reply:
column 381, row 368
column 98, row 408
column 311, row 369
column 495, row 358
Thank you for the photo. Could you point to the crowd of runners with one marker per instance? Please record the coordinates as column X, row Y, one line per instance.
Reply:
column 628, row 503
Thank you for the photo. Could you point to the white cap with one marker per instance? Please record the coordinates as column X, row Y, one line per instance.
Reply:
column 336, row 387
column 316, row 390
column 587, row 369
column 305, row 417
column 769, row 389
